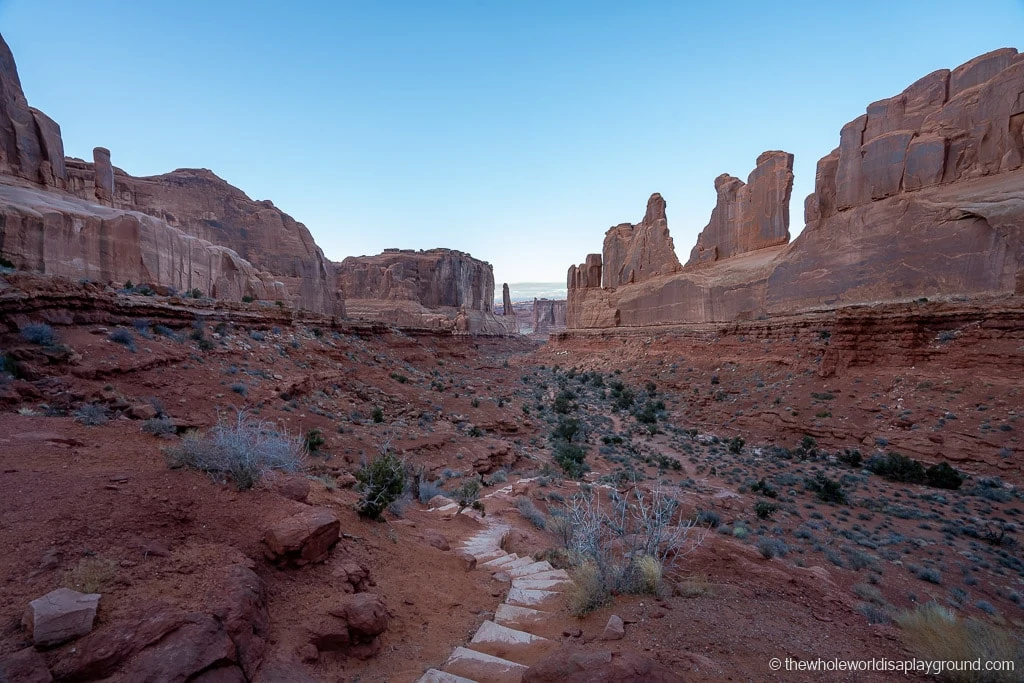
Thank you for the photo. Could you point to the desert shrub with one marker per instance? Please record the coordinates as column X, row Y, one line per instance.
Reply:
column 771, row 547
column 566, row 430
column 933, row 632
column 571, row 458
column 694, row 586
column 158, row 426
column 248, row 299
column 92, row 575
column 141, row 326
column 943, row 476
column 427, row 490
column 381, row 482
column 377, row 415
column 828, row 490
column 563, row 402
column 736, row 445
column 240, row 388
column 243, row 450
column 92, row 414
column 875, row 613
column 6, row 264
column 764, row 509
column 124, row 337
column 9, row 366
column 928, row 574
column 625, row 542
column 39, row 333
column 851, row 458
column 764, row 488
column 530, row 512
column 165, row 331
column 709, row 518
column 896, row 467
column 314, row 441
column 467, row 495
column 648, row 415
column 497, row 477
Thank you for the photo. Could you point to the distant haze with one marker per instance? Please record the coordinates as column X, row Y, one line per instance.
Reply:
column 528, row 291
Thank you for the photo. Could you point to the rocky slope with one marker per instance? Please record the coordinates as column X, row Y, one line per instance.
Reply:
column 924, row 197
column 434, row 288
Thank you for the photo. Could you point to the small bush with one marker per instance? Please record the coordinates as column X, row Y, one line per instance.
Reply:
column 876, row 614
column 530, row 512
column 158, row 426
column 92, row 414
column 39, row 333
column 933, row 632
column 243, row 450
column 377, row 415
column 124, row 337
column 571, row 458
column 896, row 467
column 240, row 388
column 467, row 495
column 247, row 299
column 771, row 547
column 828, row 490
column 314, row 441
column 588, row 591
column 381, row 482
column 427, row 490
column 709, row 518
column 736, row 445
column 943, row 476
column 92, row 575
column 764, row 509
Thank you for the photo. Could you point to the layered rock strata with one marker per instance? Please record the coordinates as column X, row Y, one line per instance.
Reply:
column 924, row 197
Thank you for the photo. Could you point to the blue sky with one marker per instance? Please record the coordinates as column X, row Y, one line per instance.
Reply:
column 516, row 131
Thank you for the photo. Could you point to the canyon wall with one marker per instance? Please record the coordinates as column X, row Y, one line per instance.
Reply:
column 548, row 316
column 440, row 288
column 188, row 229
column 924, row 197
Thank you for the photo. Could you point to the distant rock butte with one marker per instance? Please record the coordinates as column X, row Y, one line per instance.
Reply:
column 433, row 288
column 923, row 197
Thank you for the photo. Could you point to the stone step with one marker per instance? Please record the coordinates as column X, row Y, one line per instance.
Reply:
column 522, row 618
column 551, row 574
column 509, row 643
column 526, row 597
column 435, row 676
column 500, row 562
column 526, row 569
column 481, row 666
column 531, row 583
column 488, row 555
column 515, row 564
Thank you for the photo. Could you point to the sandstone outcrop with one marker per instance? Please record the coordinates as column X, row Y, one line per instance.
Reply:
column 187, row 229
column 434, row 288
column 506, row 300
column 748, row 216
column 924, row 197
column 303, row 538
column 635, row 253
column 548, row 315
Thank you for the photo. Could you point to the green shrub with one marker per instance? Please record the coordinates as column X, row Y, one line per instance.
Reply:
column 428, row 490
column 381, row 482
column 468, row 495
column 571, row 458
column 314, row 441
column 943, row 476
column 764, row 509
column 39, row 333
column 377, row 415
column 530, row 512
column 158, row 426
column 771, row 547
column 896, row 467
column 736, row 445
column 92, row 414
column 828, row 490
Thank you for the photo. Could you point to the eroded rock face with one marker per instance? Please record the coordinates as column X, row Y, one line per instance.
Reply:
column 924, row 197
column 748, row 216
column 634, row 253
column 548, row 315
column 506, row 300
column 439, row 289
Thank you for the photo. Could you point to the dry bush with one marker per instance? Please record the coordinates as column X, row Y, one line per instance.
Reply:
column 589, row 590
column 695, row 586
column 92, row 575
column 935, row 633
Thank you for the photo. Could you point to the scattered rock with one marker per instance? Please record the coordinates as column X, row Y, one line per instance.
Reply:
column 437, row 540
column 60, row 616
column 141, row 411
column 467, row 561
column 303, row 538
column 615, row 629
column 292, row 487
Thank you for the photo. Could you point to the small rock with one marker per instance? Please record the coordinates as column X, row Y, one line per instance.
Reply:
column 292, row 487
column 141, row 411
column 60, row 616
column 365, row 613
column 615, row 629
column 468, row 561
column 303, row 538
column 502, row 576
column 572, row 633
column 437, row 540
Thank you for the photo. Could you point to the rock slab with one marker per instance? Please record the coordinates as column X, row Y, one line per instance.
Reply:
column 304, row 538
column 60, row 615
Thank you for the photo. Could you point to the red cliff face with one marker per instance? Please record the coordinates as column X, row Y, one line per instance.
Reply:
column 428, row 288
column 924, row 197
column 635, row 253
column 187, row 229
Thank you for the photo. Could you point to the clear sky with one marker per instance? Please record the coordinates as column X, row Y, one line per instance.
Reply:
column 518, row 131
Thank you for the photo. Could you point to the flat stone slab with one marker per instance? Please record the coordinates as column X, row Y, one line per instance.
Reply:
column 490, row 632
column 516, row 563
column 435, row 676
column 60, row 616
column 525, row 597
column 539, row 584
column 509, row 643
column 487, row 556
column 551, row 574
column 531, row 568
column 502, row 561
column 484, row 667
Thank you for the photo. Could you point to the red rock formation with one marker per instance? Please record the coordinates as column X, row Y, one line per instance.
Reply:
column 748, row 216
column 422, row 289
column 506, row 300
column 207, row 234
column 634, row 253
column 548, row 315
column 923, row 198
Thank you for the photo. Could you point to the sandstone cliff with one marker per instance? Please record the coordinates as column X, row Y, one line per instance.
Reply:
column 422, row 288
column 635, row 253
column 200, row 231
column 923, row 198
column 548, row 316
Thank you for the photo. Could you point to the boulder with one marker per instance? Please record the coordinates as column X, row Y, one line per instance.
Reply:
column 352, row 627
column 365, row 614
column 60, row 615
column 304, row 538
column 569, row 665
column 615, row 629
